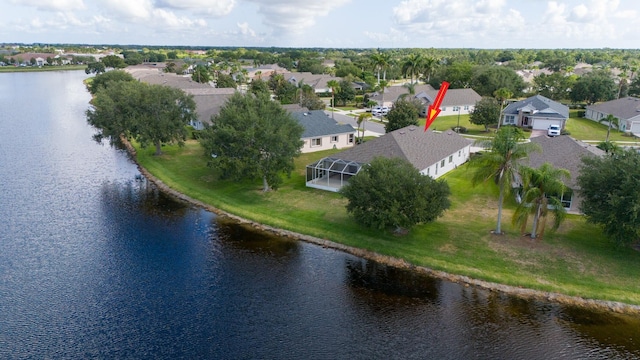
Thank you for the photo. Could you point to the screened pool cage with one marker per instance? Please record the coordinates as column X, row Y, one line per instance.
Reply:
column 331, row 173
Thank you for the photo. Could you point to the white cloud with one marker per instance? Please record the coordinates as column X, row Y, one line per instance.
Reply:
column 52, row 5
column 215, row 8
column 294, row 16
column 246, row 30
column 130, row 9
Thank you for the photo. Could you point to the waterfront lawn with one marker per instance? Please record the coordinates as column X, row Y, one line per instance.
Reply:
column 575, row 260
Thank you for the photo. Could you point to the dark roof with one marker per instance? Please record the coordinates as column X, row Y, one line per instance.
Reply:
column 209, row 102
column 562, row 152
column 624, row 109
column 539, row 104
column 452, row 97
column 421, row 148
column 317, row 123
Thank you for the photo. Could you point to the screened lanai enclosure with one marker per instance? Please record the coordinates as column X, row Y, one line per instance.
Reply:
column 331, row 173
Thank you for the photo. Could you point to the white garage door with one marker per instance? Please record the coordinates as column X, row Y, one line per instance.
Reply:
column 635, row 127
column 543, row 124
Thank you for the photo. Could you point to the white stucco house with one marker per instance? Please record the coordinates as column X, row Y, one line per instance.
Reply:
column 434, row 153
column 321, row 132
column 627, row 110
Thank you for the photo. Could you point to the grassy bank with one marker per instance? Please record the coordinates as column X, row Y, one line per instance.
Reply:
column 43, row 68
column 575, row 260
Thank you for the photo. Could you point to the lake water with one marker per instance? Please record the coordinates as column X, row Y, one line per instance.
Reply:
column 95, row 263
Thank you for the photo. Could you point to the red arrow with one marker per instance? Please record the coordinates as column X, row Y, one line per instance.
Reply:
column 434, row 109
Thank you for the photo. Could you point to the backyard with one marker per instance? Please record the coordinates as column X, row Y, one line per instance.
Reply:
column 575, row 260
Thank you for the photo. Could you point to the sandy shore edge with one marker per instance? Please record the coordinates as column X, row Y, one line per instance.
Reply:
column 601, row 305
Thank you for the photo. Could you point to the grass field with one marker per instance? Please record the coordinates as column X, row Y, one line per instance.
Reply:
column 44, row 68
column 575, row 260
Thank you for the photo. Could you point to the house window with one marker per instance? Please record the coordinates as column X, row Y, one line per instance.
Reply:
column 459, row 153
column 466, row 107
column 566, row 199
column 442, row 163
column 334, row 138
column 350, row 138
column 436, row 168
column 428, row 170
column 456, row 108
column 450, row 159
column 316, row 142
column 444, row 109
column 509, row 119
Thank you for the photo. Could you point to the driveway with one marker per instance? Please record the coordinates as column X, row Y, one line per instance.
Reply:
column 371, row 128
column 535, row 133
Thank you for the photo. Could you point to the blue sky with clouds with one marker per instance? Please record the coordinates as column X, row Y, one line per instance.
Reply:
column 326, row 23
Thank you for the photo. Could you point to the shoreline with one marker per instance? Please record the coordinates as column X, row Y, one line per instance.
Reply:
column 558, row 298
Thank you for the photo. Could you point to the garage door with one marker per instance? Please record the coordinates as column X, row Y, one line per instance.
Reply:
column 635, row 127
column 543, row 124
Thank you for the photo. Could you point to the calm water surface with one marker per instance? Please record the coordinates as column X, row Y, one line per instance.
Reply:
column 95, row 263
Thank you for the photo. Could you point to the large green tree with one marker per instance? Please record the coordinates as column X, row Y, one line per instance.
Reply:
column 501, row 162
column 151, row 114
column 391, row 193
column 593, row 87
column 201, row 74
column 253, row 137
column 345, row 92
column 542, row 190
column 487, row 79
column 404, row 112
column 610, row 194
column 485, row 113
column 556, row 86
column 102, row 80
column 114, row 61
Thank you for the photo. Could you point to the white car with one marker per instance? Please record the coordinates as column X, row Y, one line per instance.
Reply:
column 553, row 130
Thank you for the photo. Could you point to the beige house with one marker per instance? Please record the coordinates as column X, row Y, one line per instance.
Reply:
column 321, row 132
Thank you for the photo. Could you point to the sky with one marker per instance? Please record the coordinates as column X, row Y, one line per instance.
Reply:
column 488, row 24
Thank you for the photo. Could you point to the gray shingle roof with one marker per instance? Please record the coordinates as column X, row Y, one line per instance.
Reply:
column 421, row 148
column 562, row 152
column 624, row 109
column 317, row 123
column 541, row 104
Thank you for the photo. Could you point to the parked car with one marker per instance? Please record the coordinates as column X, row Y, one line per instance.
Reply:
column 553, row 130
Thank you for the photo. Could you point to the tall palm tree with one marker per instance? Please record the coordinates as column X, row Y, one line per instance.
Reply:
column 501, row 162
column 610, row 120
column 383, row 84
column 334, row 85
column 362, row 119
column 380, row 62
column 542, row 189
column 411, row 65
column 429, row 64
column 502, row 95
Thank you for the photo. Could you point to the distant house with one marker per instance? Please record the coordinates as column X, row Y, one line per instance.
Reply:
column 318, row 82
column 321, row 132
column 566, row 153
column 627, row 110
column 432, row 153
column 208, row 99
column 536, row 112
column 456, row 101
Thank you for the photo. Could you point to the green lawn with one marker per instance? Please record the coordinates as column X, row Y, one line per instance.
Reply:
column 575, row 260
column 44, row 68
column 589, row 130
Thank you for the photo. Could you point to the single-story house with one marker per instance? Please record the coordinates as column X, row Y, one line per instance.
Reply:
column 566, row 153
column 321, row 132
column 433, row 153
column 456, row 101
column 536, row 112
column 627, row 110
column 208, row 99
column 318, row 82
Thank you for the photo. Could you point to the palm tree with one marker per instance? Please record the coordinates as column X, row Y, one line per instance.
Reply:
column 501, row 162
column 502, row 95
column 411, row 65
column 380, row 63
column 610, row 119
column 428, row 66
column 541, row 192
column 362, row 119
column 383, row 84
column 334, row 85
